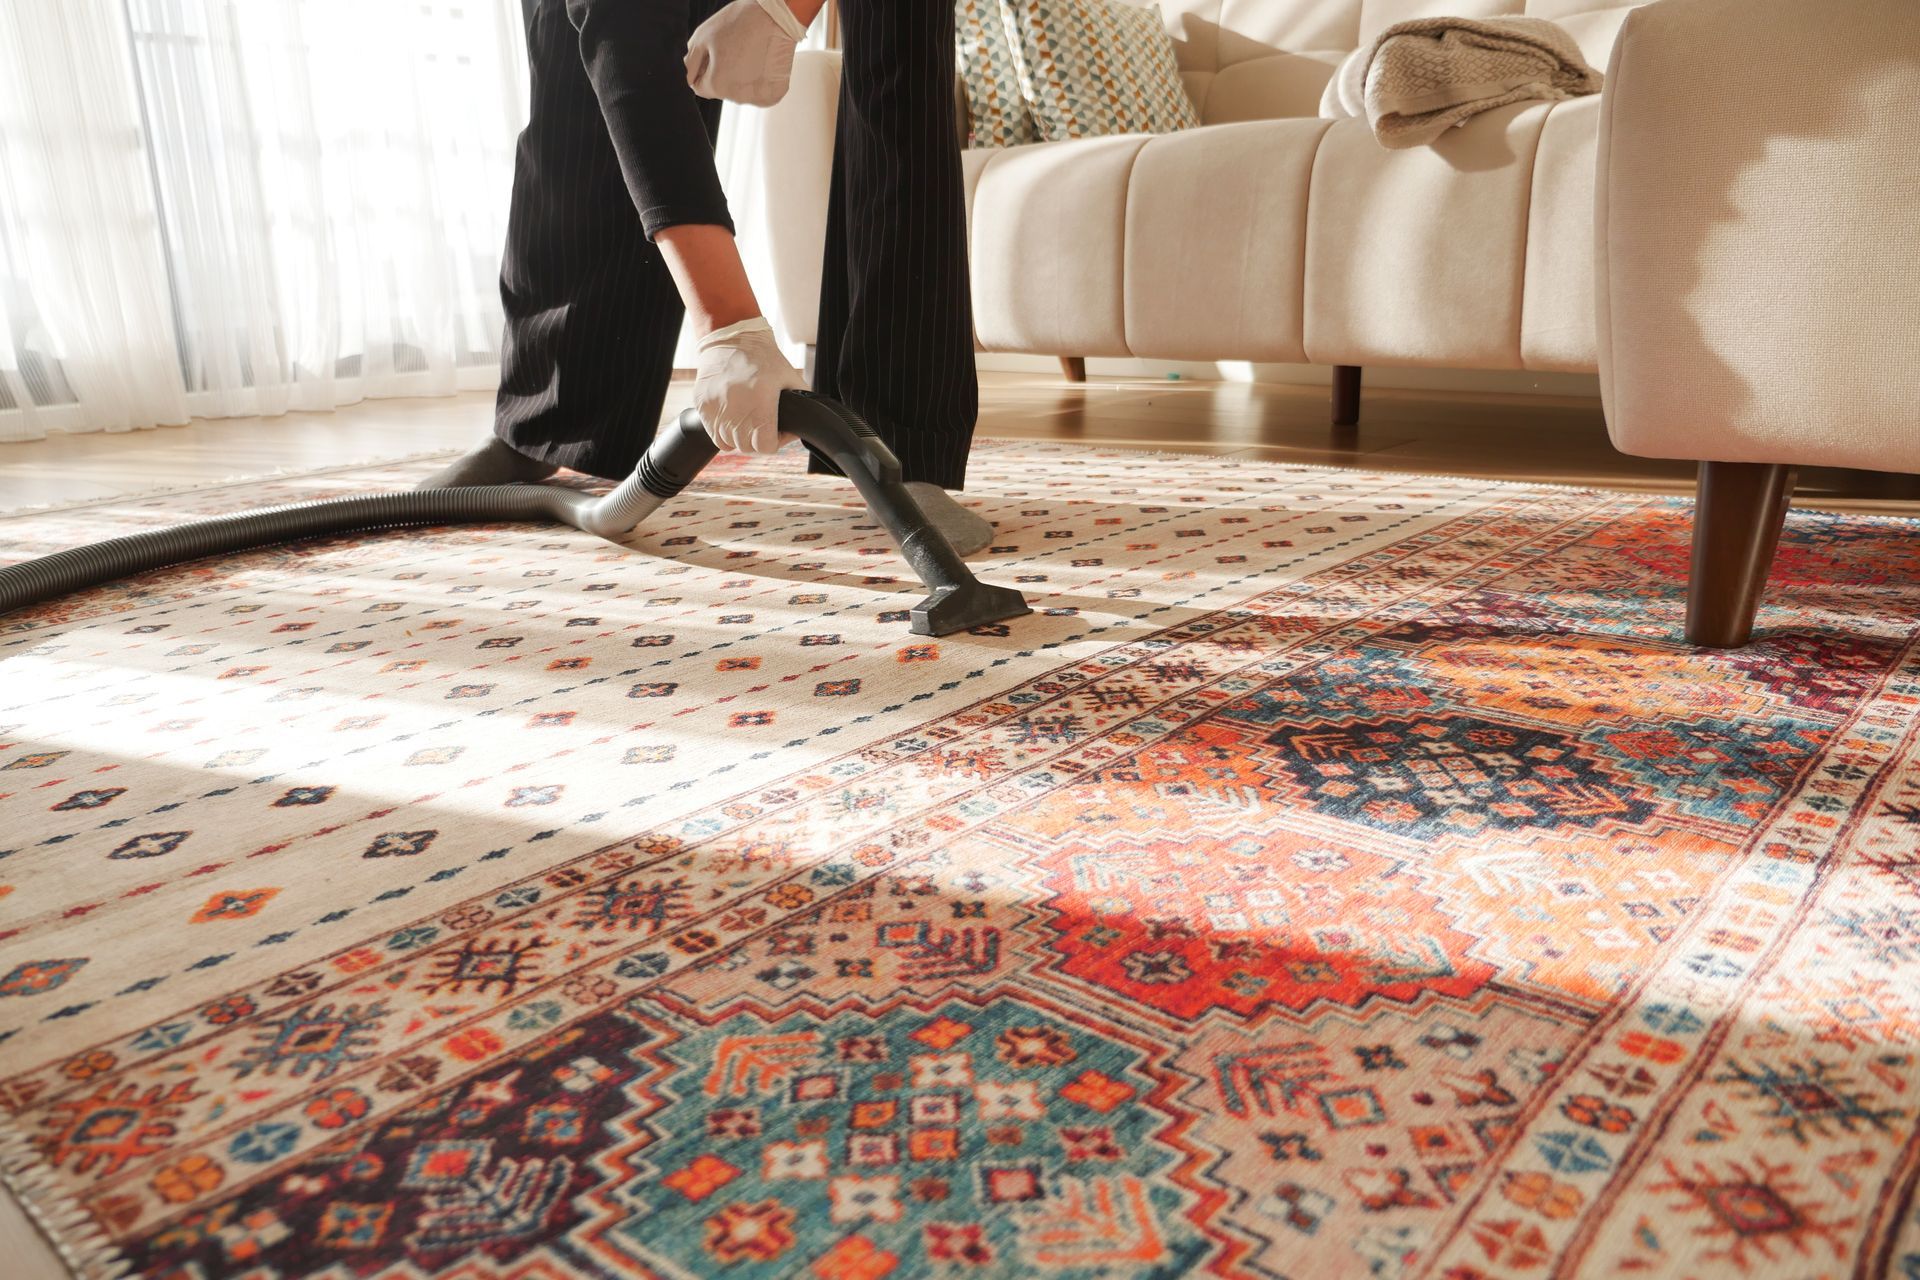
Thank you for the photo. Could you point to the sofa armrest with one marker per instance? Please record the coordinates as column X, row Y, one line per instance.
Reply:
column 1757, row 287
column 796, row 143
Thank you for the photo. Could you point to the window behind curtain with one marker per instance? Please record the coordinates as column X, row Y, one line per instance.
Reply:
column 218, row 207
column 331, row 177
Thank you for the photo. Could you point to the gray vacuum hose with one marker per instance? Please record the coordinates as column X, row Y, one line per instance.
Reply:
column 633, row 500
column 678, row 452
column 65, row 572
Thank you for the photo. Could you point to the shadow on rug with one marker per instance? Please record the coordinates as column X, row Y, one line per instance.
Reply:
column 1342, row 874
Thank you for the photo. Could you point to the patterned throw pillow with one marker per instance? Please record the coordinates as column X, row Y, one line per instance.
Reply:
column 997, row 114
column 1089, row 67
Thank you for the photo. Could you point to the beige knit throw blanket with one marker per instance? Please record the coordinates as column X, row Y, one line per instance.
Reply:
column 1420, row 78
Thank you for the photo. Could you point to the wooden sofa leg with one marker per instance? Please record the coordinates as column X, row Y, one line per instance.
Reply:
column 1346, row 395
column 1075, row 367
column 1736, row 526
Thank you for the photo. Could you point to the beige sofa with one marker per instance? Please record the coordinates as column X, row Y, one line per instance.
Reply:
column 1759, row 260
column 1268, row 234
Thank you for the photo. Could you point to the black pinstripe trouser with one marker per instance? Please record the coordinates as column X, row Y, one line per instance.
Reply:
column 592, row 314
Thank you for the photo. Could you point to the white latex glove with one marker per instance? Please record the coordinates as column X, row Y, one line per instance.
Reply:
column 737, row 382
column 744, row 52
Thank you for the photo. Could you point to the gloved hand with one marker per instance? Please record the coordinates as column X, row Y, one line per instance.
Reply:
column 744, row 52
column 737, row 384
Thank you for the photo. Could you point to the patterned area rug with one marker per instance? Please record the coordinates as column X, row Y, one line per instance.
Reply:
column 1341, row 874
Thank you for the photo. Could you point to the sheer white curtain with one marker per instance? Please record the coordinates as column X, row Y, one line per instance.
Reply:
column 221, row 207
column 333, row 177
column 86, row 316
column 217, row 207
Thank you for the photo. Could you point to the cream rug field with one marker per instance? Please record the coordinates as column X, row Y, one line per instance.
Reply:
column 1340, row 874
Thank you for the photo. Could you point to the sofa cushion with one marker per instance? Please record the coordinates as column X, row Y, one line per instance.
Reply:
column 1047, row 246
column 1211, row 36
column 1194, row 27
column 1275, row 87
column 1255, row 28
column 1089, row 68
column 1416, row 257
column 1216, row 242
column 1295, row 240
column 1377, row 15
column 1595, row 32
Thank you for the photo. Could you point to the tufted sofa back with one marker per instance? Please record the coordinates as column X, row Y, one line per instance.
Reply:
column 1266, row 59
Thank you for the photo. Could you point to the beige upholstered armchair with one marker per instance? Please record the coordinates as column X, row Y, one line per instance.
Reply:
column 1758, row 272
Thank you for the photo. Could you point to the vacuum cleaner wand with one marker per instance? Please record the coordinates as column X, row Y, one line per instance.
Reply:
column 956, row 600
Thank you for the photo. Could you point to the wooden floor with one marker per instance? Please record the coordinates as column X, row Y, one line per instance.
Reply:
column 1506, row 437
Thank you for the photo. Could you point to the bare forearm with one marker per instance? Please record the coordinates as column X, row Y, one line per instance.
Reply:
column 703, row 259
column 706, row 268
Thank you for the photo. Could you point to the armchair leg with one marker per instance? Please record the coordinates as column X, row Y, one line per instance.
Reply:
column 1736, row 526
column 1346, row 395
column 1075, row 367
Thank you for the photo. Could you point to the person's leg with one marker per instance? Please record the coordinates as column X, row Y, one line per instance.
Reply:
column 611, row 151
column 896, row 321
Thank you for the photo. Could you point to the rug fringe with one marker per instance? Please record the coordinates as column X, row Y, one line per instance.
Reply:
column 65, row 1224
